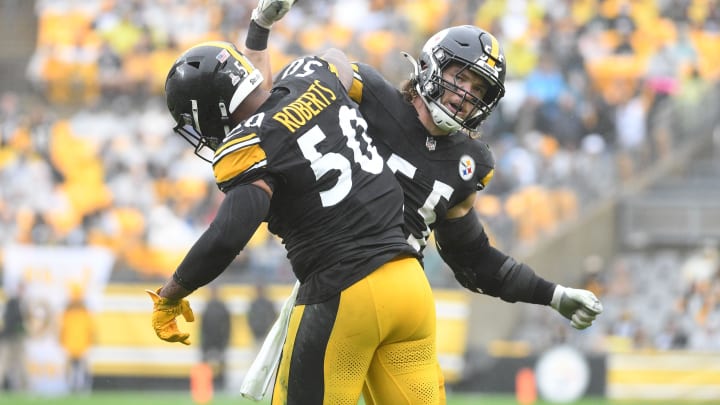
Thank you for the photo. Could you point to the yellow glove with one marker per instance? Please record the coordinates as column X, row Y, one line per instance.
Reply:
column 163, row 318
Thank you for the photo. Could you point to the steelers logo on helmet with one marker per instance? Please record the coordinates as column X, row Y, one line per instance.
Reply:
column 466, row 167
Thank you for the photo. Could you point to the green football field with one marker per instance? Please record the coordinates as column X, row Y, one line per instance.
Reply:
column 180, row 398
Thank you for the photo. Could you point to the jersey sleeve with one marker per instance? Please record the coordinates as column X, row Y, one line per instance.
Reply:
column 485, row 166
column 369, row 85
column 356, row 88
column 241, row 159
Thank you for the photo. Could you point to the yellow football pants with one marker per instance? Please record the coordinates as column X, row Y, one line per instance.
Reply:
column 380, row 332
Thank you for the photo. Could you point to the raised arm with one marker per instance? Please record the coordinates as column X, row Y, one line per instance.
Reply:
column 265, row 14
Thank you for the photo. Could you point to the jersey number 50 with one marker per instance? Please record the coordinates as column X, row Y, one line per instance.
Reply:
column 351, row 125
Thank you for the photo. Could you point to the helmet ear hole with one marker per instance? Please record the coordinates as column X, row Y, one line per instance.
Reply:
column 432, row 90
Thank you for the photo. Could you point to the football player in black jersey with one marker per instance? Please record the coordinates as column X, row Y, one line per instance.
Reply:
column 426, row 132
column 299, row 158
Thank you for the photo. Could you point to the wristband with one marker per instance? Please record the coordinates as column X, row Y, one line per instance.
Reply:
column 257, row 37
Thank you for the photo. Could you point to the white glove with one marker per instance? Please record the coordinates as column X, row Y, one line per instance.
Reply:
column 268, row 12
column 579, row 306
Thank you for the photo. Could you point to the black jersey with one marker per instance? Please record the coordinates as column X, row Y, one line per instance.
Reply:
column 335, row 205
column 436, row 173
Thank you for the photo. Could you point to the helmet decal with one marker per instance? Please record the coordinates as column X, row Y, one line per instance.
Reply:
column 493, row 50
column 223, row 56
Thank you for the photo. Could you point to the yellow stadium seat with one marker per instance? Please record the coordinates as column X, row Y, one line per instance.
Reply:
column 613, row 73
column 159, row 63
column 88, row 197
column 56, row 74
column 135, row 68
column 61, row 28
column 127, row 233
column 313, row 38
column 153, row 262
column 7, row 156
column 708, row 49
column 190, row 188
column 488, row 205
column 426, row 16
column 378, row 44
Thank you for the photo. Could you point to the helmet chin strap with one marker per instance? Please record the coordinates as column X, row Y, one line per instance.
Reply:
column 440, row 117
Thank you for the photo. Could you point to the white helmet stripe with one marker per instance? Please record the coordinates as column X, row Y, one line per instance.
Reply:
column 247, row 85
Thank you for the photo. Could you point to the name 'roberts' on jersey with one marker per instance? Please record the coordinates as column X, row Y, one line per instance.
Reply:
column 305, row 107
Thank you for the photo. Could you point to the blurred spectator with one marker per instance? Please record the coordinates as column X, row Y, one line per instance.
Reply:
column 625, row 326
column 624, row 46
column 712, row 17
column 623, row 22
column 684, row 50
column 671, row 337
column 593, row 271
column 215, row 328
column 261, row 315
column 662, row 77
column 13, row 365
column 594, row 167
column 689, row 100
column 517, row 165
column 110, row 73
column 562, row 121
column 702, row 264
column 266, row 258
column 77, row 335
column 9, row 117
column 620, row 283
column 632, row 133
column 676, row 10
column 543, row 88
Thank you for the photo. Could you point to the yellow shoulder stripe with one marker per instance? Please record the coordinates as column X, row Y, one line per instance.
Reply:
column 357, row 85
column 233, row 142
column 234, row 161
column 486, row 180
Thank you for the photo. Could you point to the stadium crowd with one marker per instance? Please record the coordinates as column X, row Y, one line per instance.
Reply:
column 91, row 158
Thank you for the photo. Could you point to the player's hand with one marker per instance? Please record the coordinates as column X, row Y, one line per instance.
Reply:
column 579, row 306
column 163, row 317
column 268, row 12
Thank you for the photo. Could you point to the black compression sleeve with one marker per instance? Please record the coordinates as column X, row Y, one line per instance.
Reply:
column 464, row 246
column 518, row 282
column 241, row 212
column 480, row 267
column 257, row 37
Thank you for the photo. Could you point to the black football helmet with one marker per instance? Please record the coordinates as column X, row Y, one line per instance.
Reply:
column 205, row 85
column 471, row 48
